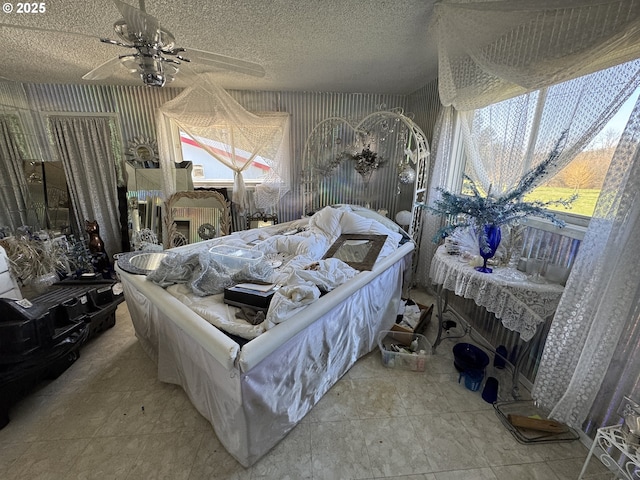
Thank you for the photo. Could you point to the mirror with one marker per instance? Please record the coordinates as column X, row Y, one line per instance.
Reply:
column 357, row 251
column 194, row 216
column 145, row 197
column 143, row 152
column 48, row 190
column 58, row 202
column 140, row 263
column 259, row 220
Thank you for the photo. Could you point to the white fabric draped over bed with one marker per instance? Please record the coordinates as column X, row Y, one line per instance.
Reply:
column 255, row 395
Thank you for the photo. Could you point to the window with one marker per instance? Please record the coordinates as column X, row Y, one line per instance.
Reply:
column 505, row 140
column 585, row 174
column 207, row 170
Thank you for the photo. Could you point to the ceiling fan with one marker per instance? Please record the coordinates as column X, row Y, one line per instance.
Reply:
column 157, row 58
column 154, row 56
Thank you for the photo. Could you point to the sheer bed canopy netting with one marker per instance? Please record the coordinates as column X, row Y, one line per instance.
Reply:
column 234, row 136
column 489, row 51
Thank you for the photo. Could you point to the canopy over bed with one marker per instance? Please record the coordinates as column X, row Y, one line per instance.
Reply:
column 230, row 134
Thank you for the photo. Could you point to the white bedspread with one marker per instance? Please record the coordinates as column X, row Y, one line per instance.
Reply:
column 302, row 278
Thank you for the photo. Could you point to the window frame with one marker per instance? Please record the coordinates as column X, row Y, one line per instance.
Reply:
column 176, row 141
column 575, row 225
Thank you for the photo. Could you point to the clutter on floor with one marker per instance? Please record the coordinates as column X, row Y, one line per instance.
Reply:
column 528, row 423
column 41, row 337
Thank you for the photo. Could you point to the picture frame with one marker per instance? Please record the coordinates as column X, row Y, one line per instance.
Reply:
column 357, row 250
column 184, row 212
column 259, row 220
column 425, row 319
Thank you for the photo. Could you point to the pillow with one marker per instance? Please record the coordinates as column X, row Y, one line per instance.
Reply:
column 353, row 222
column 367, row 213
column 327, row 221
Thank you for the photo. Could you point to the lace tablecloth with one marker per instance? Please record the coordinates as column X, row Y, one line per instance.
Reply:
column 520, row 305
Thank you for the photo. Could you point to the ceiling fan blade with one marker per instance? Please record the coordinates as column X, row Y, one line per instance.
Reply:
column 47, row 30
column 138, row 22
column 222, row 61
column 102, row 71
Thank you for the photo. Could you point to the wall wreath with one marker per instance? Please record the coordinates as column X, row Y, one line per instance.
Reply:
column 207, row 231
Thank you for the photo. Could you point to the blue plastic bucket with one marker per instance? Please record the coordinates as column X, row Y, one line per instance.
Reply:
column 472, row 379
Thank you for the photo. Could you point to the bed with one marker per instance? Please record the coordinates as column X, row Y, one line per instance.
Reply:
column 254, row 390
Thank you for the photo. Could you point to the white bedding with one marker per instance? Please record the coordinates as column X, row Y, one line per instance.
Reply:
column 255, row 394
column 300, row 284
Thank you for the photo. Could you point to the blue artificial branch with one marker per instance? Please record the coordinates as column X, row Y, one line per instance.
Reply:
column 476, row 210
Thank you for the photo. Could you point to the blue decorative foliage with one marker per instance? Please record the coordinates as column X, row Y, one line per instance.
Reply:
column 477, row 210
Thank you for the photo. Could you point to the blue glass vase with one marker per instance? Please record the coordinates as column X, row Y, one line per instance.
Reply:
column 489, row 240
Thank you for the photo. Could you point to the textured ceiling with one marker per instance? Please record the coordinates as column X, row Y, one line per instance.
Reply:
column 365, row 46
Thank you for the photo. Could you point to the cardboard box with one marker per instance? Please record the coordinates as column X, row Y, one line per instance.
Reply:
column 423, row 321
column 404, row 339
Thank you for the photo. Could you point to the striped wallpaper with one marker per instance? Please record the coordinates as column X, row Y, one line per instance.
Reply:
column 134, row 110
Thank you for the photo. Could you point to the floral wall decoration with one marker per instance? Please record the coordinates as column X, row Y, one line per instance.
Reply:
column 366, row 162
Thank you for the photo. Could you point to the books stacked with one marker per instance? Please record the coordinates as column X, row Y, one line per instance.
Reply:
column 253, row 295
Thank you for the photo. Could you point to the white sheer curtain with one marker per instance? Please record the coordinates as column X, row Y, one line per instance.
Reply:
column 505, row 140
column 83, row 145
column 16, row 209
column 236, row 137
column 489, row 51
column 440, row 175
column 592, row 350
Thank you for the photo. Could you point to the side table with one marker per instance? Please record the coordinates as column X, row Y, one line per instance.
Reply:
column 609, row 438
column 521, row 306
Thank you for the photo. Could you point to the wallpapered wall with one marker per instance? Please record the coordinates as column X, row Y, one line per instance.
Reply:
column 134, row 108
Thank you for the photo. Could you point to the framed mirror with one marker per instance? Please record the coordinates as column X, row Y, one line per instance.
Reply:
column 48, row 190
column 259, row 220
column 194, row 216
column 143, row 152
column 357, row 251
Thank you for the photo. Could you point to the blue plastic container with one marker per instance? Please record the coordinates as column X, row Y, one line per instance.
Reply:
column 472, row 379
column 490, row 391
column 467, row 357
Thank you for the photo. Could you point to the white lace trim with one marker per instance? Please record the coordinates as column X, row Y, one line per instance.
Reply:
column 521, row 306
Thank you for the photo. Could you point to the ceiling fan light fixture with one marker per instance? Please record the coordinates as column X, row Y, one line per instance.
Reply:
column 122, row 30
column 157, row 57
column 153, row 79
column 166, row 40
column 130, row 64
column 171, row 69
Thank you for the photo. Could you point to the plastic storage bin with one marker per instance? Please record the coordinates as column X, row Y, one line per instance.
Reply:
column 235, row 258
column 24, row 328
column 407, row 351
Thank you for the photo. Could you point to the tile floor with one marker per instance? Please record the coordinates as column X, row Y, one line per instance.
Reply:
column 374, row 423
